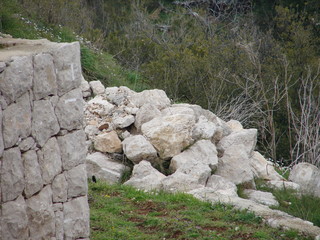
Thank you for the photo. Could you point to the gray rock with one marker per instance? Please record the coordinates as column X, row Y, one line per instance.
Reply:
column 204, row 129
column 16, row 121
column 283, row 185
column 202, row 152
column 50, row 160
column 26, row 144
column 156, row 97
column 44, row 121
column 85, row 88
column 99, row 106
column 2, row 66
column 44, row 78
column 60, row 188
column 14, row 220
column 1, row 138
column 40, row 214
column 12, row 175
column 69, row 110
column 97, row 87
column 169, row 134
column 32, row 173
column 146, row 113
column 265, row 198
column 308, row 177
column 122, row 121
column 234, row 125
column 104, row 167
column 59, row 217
column 66, row 59
column 137, row 148
column 222, row 186
column 177, row 110
column 76, row 218
column 73, row 149
column 145, row 177
column 16, row 80
column 77, row 181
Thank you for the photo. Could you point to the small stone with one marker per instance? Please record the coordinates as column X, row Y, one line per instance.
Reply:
column 97, row 87
column 60, row 189
column 108, row 142
column 26, row 144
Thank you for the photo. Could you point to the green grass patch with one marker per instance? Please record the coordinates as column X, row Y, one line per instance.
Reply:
column 122, row 212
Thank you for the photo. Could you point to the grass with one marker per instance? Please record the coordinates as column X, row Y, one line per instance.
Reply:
column 122, row 212
column 301, row 206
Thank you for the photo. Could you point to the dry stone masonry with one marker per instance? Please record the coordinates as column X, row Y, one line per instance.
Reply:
column 183, row 148
column 43, row 183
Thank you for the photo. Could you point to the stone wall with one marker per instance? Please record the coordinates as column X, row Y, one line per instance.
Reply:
column 43, row 183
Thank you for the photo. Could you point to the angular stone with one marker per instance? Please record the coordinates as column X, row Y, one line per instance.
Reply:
column 204, row 129
column 308, row 177
column 202, row 152
column 60, row 189
column 123, row 121
column 73, row 149
column 32, row 173
column 16, row 121
column 14, row 220
column 1, row 138
column 283, row 185
column 16, row 80
column 156, row 97
column 97, row 87
column 222, row 186
column 59, row 225
column 263, row 169
column 234, row 125
column 118, row 96
column 137, row 148
column 50, row 160
column 76, row 218
column 26, row 144
column 12, row 175
column 40, row 214
column 77, row 181
column 99, row 106
column 177, row 110
column 85, row 88
column 69, row 110
column 265, row 198
column 66, row 59
column 145, row 177
column 108, row 142
column 169, row 134
column 44, row 121
column 104, row 167
column 146, row 113
column 44, row 78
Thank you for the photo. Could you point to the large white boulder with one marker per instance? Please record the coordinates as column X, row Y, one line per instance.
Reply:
column 97, row 87
column 146, row 113
column 283, row 185
column 202, row 152
column 308, row 177
column 155, row 97
column 169, row 134
column 137, row 148
column 145, row 177
column 103, row 167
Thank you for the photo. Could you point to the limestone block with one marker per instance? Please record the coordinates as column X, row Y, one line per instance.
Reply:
column 265, row 198
column 2, row 66
column 146, row 113
column 202, row 152
column 91, row 131
column 308, row 177
column 44, row 78
column 111, row 93
column 204, row 129
column 26, row 144
column 145, row 177
column 222, row 186
column 99, row 106
column 12, row 174
column 76, row 218
column 66, row 59
column 104, row 167
column 234, row 125
column 16, row 121
column 73, row 149
column 283, row 185
column 16, row 80
column 44, row 121
column 169, row 134
column 50, row 160
column 177, row 110
column 156, row 97
column 32, row 173
column 59, row 225
column 60, row 188
column 1, row 138
column 69, row 110
column 197, row 110
column 262, row 168
column 97, row 87
column 14, row 220
column 77, row 181
column 85, row 88
column 40, row 214
column 108, row 142
column 137, row 148
column 122, row 121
